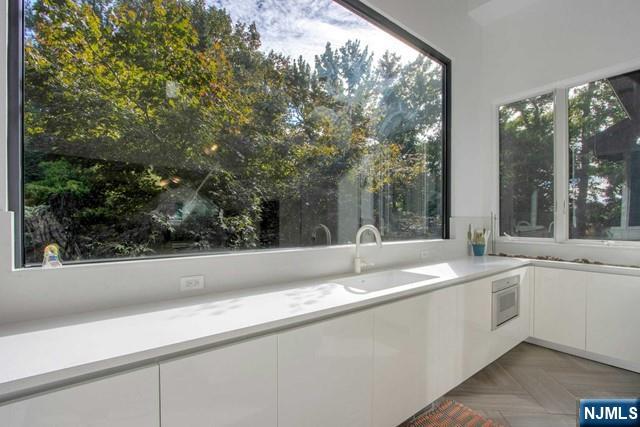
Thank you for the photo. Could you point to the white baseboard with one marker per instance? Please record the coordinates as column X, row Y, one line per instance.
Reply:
column 624, row 364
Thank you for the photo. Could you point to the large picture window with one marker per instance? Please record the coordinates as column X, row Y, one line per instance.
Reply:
column 156, row 128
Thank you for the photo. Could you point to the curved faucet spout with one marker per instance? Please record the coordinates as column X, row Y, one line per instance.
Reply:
column 359, row 262
column 326, row 230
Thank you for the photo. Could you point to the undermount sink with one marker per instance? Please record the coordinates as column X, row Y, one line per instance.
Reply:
column 379, row 281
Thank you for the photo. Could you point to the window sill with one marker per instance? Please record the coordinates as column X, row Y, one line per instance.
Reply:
column 613, row 244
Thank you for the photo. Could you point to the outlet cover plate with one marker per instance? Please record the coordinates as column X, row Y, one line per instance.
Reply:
column 191, row 283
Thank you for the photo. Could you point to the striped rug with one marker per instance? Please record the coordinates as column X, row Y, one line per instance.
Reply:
column 451, row 414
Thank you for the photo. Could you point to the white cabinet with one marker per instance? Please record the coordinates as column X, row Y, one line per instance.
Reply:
column 229, row 386
column 417, row 353
column 445, row 341
column 124, row 400
column 427, row 345
column 613, row 316
column 474, row 312
column 560, row 306
column 593, row 312
column 401, row 359
column 325, row 373
column 480, row 345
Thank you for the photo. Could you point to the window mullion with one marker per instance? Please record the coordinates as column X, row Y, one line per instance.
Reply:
column 561, row 165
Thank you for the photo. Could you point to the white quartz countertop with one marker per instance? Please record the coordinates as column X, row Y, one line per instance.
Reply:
column 48, row 353
column 578, row 266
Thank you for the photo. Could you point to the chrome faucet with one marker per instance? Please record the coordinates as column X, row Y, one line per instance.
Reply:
column 326, row 230
column 358, row 262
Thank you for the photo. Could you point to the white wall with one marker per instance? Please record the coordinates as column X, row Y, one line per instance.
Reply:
column 552, row 41
column 34, row 293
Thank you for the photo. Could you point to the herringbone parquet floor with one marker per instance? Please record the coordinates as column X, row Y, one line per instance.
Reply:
column 532, row 386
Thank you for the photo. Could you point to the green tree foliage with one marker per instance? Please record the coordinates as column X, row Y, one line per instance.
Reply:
column 526, row 163
column 596, row 181
column 155, row 126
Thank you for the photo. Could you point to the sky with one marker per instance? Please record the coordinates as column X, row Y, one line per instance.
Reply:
column 303, row 27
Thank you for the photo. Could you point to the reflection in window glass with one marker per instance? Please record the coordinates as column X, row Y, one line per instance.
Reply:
column 526, row 167
column 604, row 159
column 180, row 126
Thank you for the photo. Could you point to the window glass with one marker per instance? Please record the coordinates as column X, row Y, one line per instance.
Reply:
column 526, row 167
column 182, row 126
column 604, row 159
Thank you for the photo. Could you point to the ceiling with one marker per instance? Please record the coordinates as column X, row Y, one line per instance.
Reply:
column 484, row 12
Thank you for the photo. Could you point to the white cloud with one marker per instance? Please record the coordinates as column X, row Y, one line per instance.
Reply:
column 303, row 27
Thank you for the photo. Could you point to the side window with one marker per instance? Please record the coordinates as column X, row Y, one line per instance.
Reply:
column 604, row 159
column 526, row 167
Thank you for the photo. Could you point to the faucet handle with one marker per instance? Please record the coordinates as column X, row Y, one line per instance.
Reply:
column 364, row 263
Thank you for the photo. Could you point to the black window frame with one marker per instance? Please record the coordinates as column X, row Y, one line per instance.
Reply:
column 15, row 134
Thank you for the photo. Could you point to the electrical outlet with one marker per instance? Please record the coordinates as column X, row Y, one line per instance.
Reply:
column 424, row 253
column 191, row 283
